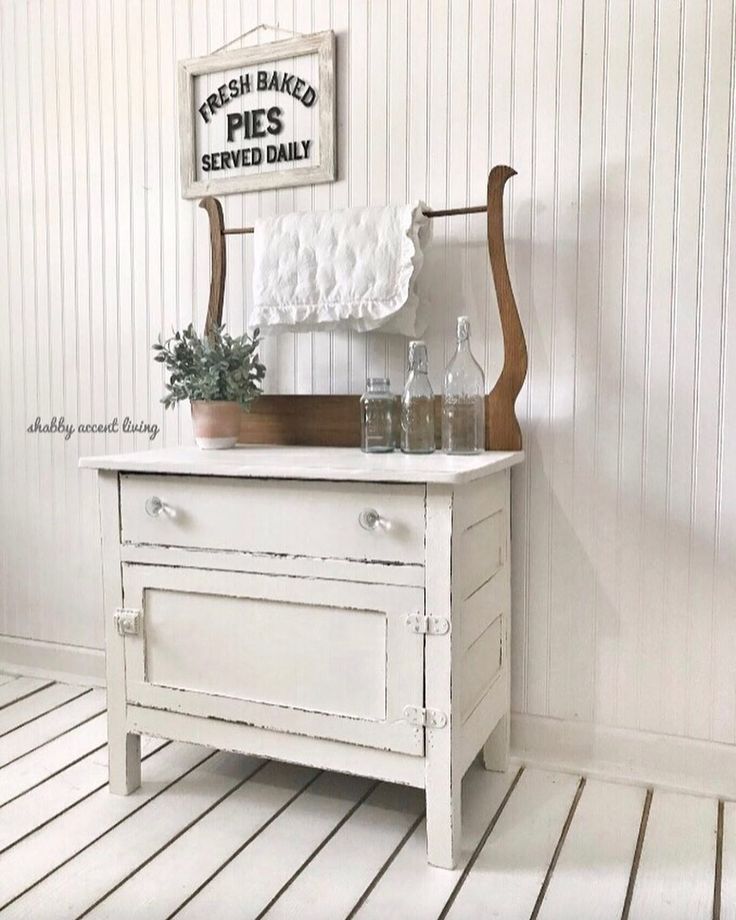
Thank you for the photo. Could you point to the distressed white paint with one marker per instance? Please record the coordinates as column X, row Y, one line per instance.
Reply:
column 441, row 665
column 338, row 464
column 237, row 659
column 331, row 755
column 210, row 515
column 306, row 566
column 619, row 119
column 303, row 655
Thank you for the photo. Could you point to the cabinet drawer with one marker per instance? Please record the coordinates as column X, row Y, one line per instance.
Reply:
column 294, row 518
column 321, row 658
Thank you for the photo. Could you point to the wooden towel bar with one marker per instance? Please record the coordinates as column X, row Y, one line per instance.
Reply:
column 334, row 421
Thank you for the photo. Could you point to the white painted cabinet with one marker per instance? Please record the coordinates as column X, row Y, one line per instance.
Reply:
column 314, row 606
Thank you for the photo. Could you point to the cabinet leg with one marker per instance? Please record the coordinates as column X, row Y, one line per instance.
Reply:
column 496, row 749
column 444, row 825
column 124, row 761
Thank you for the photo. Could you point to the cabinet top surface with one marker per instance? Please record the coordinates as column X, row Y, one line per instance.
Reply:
column 326, row 463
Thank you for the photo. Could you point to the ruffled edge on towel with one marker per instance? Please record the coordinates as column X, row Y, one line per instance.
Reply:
column 398, row 314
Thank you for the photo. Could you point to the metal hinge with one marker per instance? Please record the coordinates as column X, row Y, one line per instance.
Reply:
column 432, row 626
column 429, row 718
column 127, row 621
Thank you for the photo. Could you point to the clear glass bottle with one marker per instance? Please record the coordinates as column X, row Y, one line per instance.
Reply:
column 377, row 416
column 463, row 398
column 417, row 405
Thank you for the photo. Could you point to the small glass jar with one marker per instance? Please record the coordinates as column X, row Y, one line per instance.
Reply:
column 377, row 417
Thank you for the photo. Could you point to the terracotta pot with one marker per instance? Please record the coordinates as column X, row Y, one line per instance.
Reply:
column 216, row 424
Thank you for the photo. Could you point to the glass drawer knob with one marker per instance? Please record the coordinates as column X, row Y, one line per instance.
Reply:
column 154, row 506
column 369, row 519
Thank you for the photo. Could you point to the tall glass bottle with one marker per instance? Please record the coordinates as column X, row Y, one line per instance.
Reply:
column 417, row 405
column 463, row 398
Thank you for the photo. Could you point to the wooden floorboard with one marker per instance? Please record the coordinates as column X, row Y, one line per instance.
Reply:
column 510, row 870
column 35, row 808
column 375, row 881
column 353, row 856
column 718, row 879
column 217, row 836
column 42, row 763
column 561, row 840
column 677, row 866
column 157, row 890
column 20, row 688
column 51, row 725
column 42, row 851
column 90, row 876
column 641, row 837
column 728, row 865
column 38, row 704
column 248, row 882
column 592, row 873
column 410, row 884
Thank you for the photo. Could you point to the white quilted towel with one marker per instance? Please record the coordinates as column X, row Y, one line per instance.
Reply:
column 352, row 269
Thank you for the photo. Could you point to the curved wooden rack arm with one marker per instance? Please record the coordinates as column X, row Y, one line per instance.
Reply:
column 502, row 426
column 219, row 262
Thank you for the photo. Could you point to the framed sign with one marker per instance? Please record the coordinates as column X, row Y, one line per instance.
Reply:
column 258, row 118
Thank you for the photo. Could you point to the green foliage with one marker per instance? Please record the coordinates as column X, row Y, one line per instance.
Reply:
column 216, row 367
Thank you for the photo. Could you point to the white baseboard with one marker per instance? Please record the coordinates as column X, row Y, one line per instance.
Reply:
column 625, row 755
column 52, row 660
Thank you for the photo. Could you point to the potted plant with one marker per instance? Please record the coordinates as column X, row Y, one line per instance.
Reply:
column 218, row 374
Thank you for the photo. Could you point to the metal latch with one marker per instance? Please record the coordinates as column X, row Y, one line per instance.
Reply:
column 432, row 626
column 127, row 621
column 429, row 718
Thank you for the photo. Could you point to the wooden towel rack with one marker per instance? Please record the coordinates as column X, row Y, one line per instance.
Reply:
column 335, row 420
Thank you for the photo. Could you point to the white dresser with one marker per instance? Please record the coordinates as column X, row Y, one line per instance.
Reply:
column 315, row 605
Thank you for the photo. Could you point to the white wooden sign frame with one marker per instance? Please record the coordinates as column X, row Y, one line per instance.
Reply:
column 321, row 43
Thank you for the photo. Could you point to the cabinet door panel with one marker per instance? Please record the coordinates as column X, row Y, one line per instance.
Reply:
column 325, row 658
column 309, row 656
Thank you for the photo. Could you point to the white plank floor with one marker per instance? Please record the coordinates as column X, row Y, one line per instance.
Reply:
column 214, row 835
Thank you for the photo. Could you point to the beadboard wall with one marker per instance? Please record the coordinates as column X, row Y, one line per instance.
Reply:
column 619, row 118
